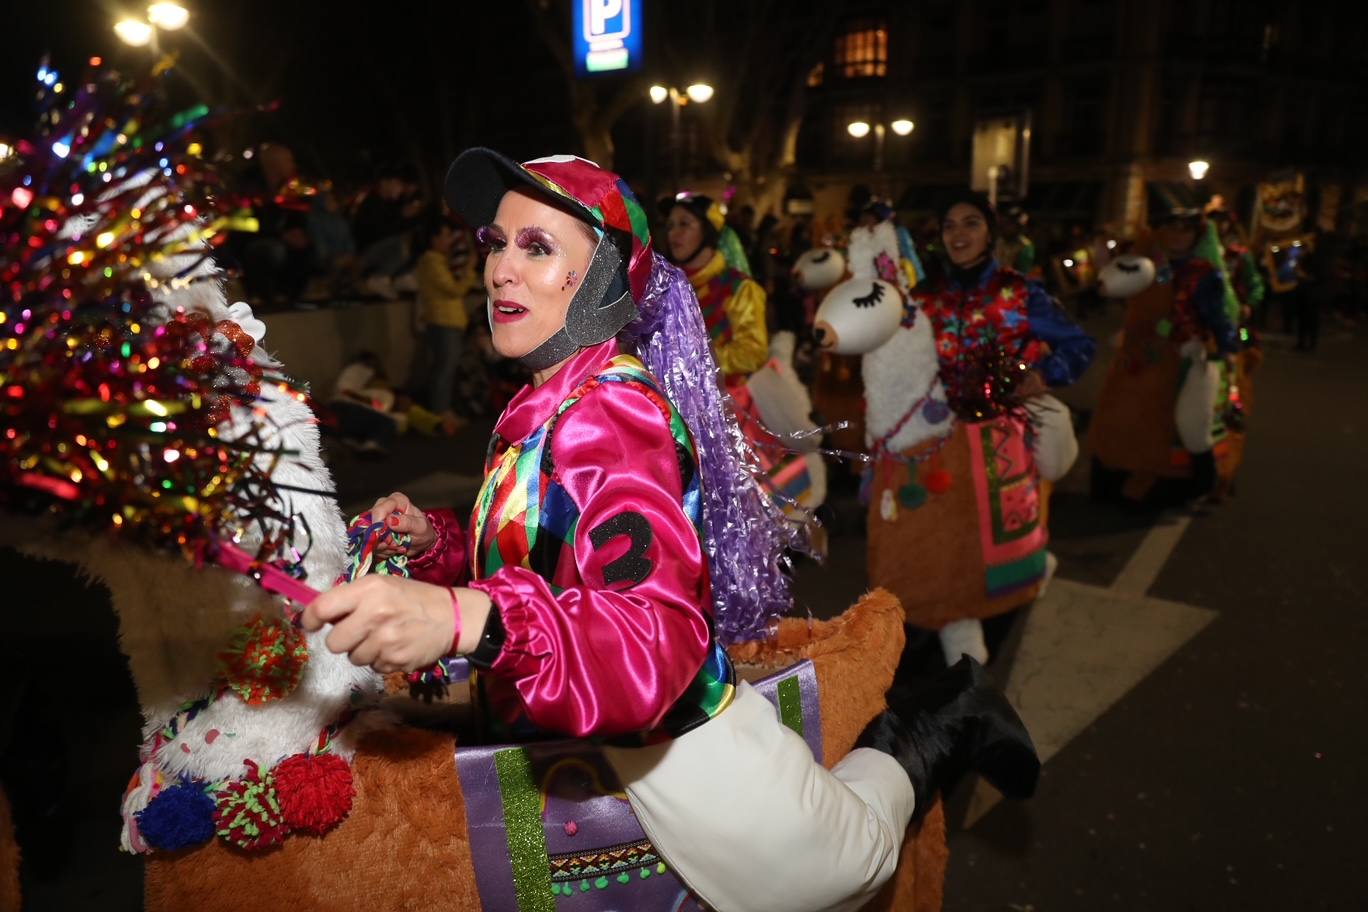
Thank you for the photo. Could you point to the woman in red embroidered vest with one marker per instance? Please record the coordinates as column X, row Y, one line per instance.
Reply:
column 616, row 539
column 957, row 524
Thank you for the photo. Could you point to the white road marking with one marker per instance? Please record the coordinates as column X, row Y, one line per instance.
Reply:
column 1085, row 647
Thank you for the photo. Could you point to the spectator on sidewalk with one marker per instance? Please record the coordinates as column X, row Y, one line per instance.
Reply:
column 382, row 227
column 442, row 311
column 333, row 244
column 369, row 414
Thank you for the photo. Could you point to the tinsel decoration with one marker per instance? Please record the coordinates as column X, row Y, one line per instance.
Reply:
column 265, row 660
column 112, row 398
column 247, row 811
column 981, row 384
column 178, row 817
column 314, row 791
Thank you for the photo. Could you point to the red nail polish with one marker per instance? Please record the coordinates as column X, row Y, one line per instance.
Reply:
column 394, row 520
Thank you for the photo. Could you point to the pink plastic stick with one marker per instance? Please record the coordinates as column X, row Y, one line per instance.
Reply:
column 273, row 579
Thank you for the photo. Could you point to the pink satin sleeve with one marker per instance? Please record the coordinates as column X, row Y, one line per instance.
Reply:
column 614, row 650
column 445, row 563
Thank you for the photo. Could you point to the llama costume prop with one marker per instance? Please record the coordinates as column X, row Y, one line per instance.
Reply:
column 162, row 451
column 954, row 520
column 837, row 391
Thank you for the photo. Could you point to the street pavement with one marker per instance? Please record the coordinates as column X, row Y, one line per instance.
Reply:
column 1194, row 683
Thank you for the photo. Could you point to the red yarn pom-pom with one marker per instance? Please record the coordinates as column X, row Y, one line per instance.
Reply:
column 315, row 792
column 247, row 813
column 938, row 481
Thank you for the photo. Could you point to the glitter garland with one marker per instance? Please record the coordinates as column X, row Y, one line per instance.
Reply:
column 111, row 398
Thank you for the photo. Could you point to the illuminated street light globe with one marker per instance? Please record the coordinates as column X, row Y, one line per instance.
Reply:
column 167, row 15
column 858, row 129
column 902, row 127
column 133, row 31
column 1198, row 169
column 659, row 94
column 699, row 92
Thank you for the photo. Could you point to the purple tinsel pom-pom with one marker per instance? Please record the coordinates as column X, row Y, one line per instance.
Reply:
column 179, row 817
column 745, row 533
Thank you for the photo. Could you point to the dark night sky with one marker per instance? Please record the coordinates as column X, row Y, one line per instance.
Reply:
column 358, row 84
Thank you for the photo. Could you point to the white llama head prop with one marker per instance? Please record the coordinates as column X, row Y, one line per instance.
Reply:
column 1126, row 276
column 862, row 312
column 872, row 313
column 819, row 268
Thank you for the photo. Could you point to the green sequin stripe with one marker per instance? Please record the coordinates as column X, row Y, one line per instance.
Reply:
column 523, row 823
column 791, row 704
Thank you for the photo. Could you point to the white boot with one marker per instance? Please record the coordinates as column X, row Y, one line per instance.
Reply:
column 1051, row 565
column 964, row 637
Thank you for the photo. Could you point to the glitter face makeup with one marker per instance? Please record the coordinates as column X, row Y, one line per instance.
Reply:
column 536, row 259
column 536, row 241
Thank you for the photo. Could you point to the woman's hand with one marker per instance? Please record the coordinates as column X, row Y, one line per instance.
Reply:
column 391, row 623
column 402, row 516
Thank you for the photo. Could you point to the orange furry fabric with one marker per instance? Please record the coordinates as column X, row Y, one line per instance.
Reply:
column 855, row 656
column 9, row 858
column 1133, row 428
column 405, row 844
column 930, row 557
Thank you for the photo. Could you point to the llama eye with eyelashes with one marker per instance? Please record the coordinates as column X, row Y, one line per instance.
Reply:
column 822, row 257
column 1128, row 267
column 876, row 293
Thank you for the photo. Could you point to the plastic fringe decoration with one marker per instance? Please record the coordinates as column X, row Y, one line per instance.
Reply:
column 745, row 533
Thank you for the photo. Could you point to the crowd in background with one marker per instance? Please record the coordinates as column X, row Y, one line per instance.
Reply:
column 319, row 244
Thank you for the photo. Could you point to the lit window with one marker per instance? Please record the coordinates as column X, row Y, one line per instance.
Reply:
column 862, row 50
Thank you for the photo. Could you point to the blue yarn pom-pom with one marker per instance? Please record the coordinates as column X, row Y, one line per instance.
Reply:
column 179, row 817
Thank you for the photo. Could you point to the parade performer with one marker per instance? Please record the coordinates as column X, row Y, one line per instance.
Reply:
column 267, row 778
column 979, row 349
column 733, row 307
column 1014, row 248
column 733, row 303
column 617, row 536
column 1151, row 435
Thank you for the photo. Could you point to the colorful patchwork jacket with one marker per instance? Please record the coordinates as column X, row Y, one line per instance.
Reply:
column 586, row 536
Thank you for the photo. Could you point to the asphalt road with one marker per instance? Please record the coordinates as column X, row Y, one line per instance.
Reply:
column 1195, row 682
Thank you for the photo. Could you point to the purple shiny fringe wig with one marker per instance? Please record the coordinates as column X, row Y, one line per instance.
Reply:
column 745, row 534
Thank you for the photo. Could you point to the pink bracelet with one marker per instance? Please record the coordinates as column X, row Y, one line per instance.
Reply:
column 456, row 616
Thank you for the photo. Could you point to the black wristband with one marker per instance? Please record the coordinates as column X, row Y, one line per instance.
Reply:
column 491, row 640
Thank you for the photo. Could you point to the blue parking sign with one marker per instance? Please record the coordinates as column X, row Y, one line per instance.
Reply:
column 607, row 36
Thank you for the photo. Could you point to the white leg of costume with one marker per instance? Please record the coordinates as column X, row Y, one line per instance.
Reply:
column 752, row 823
column 964, row 638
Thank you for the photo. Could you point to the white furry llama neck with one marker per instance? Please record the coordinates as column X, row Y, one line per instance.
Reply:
column 899, row 374
column 174, row 619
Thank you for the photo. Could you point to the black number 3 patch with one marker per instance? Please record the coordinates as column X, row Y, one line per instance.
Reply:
column 634, row 566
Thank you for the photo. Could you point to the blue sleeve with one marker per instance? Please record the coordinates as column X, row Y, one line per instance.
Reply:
column 1208, row 302
column 1071, row 349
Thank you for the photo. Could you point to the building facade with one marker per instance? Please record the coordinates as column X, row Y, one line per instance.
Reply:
column 1117, row 92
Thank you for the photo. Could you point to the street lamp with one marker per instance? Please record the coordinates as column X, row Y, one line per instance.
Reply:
column 134, row 32
column 163, row 15
column 1198, row 169
column 860, row 129
column 168, row 16
column 698, row 92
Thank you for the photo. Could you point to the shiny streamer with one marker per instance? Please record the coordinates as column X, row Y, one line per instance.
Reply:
column 746, row 534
